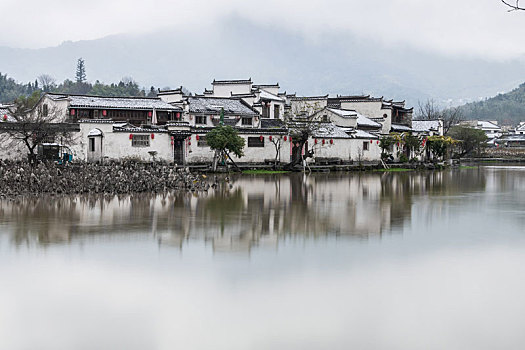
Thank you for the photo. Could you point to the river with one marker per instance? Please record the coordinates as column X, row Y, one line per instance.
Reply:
column 412, row 260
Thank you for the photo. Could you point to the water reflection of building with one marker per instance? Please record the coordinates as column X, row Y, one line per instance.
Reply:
column 249, row 211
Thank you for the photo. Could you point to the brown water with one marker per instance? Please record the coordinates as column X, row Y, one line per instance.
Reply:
column 430, row 260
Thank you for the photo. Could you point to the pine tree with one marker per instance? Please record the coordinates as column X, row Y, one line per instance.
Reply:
column 81, row 71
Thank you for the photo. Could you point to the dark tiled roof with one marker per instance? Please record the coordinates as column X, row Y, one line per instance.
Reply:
column 213, row 105
column 401, row 128
column 301, row 98
column 272, row 123
column 266, row 85
column 168, row 92
column 87, row 101
column 233, row 81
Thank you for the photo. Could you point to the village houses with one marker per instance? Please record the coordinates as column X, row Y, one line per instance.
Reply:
column 173, row 126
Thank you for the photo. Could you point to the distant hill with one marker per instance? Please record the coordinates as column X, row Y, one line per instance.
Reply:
column 238, row 48
column 507, row 108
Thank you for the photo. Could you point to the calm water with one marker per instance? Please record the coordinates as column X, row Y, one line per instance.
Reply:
column 340, row 261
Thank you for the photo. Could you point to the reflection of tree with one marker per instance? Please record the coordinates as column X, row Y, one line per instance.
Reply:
column 245, row 212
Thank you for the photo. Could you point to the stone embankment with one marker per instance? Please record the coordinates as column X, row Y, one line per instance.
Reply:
column 19, row 178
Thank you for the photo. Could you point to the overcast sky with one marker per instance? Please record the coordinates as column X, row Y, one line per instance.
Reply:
column 480, row 28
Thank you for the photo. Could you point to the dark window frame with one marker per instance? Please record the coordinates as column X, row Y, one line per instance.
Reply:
column 255, row 142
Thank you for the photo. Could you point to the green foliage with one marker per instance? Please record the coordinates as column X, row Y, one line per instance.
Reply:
column 80, row 75
column 413, row 143
column 440, row 144
column 28, row 102
column 403, row 158
column 10, row 90
column 225, row 138
column 506, row 108
column 471, row 139
column 385, row 143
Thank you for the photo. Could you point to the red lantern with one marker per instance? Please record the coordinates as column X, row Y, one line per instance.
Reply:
column 172, row 138
column 172, row 142
column 104, row 112
column 178, row 115
column 152, row 136
column 323, row 141
column 72, row 112
column 189, row 143
column 371, row 141
column 131, row 136
column 261, row 138
column 197, row 137
column 5, row 117
column 377, row 142
column 149, row 114
column 398, row 144
column 270, row 137
column 290, row 139
column 331, row 141
column 315, row 141
column 285, row 138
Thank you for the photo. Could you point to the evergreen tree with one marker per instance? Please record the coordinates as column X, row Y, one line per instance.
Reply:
column 81, row 71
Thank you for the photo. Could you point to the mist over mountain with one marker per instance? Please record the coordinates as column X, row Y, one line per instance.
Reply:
column 236, row 48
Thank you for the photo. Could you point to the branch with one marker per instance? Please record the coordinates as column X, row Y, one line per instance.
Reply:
column 512, row 7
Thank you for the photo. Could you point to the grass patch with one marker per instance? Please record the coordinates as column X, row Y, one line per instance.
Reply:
column 468, row 167
column 393, row 170
column 264, row 172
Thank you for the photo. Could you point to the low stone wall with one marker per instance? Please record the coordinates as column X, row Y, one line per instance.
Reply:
column 20, row 178
column 505, row 152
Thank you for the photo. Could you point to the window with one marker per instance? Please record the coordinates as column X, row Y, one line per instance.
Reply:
column 45, row 110
column 246, row 121
column 140, row 141
column 255, row 142
column 266, row 110
column 276, row 111
column 200, row 119
column 83, row 113
column 202, row 141
column 325, row 118
column 365, row 145
column 91, row 144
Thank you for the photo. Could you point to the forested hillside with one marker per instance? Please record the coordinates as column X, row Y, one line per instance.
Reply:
column 11, row 89
column 508, row 108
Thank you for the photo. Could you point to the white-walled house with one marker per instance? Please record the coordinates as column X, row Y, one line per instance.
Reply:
column 428, row 127
column 173, row 126
column 227, row 88
column 520, row 129
column 490, row 128
column 393, row 116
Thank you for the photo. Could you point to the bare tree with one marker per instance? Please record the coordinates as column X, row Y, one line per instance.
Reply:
column 513, row 6
column 33, row 125
column 430, row 111
column 303, row 123
column 47, row 82
column 277, row 142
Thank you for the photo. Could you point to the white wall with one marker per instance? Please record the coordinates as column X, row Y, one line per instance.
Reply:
column 372, row 109
column 310, row 106
column 196, row 154
column 171, row 97
column 226, row 90
column 117, row 145
column 346, row 149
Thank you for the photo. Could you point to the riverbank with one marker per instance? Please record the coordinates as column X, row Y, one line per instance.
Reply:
column 20, row 178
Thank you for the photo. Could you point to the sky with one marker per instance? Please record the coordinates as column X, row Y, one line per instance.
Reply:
column 474, row 28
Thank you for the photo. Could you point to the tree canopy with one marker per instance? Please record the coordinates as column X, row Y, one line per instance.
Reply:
column 470, row 139
column 225, row 139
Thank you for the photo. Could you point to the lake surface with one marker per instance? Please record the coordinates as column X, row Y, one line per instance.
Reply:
column 430, row 260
